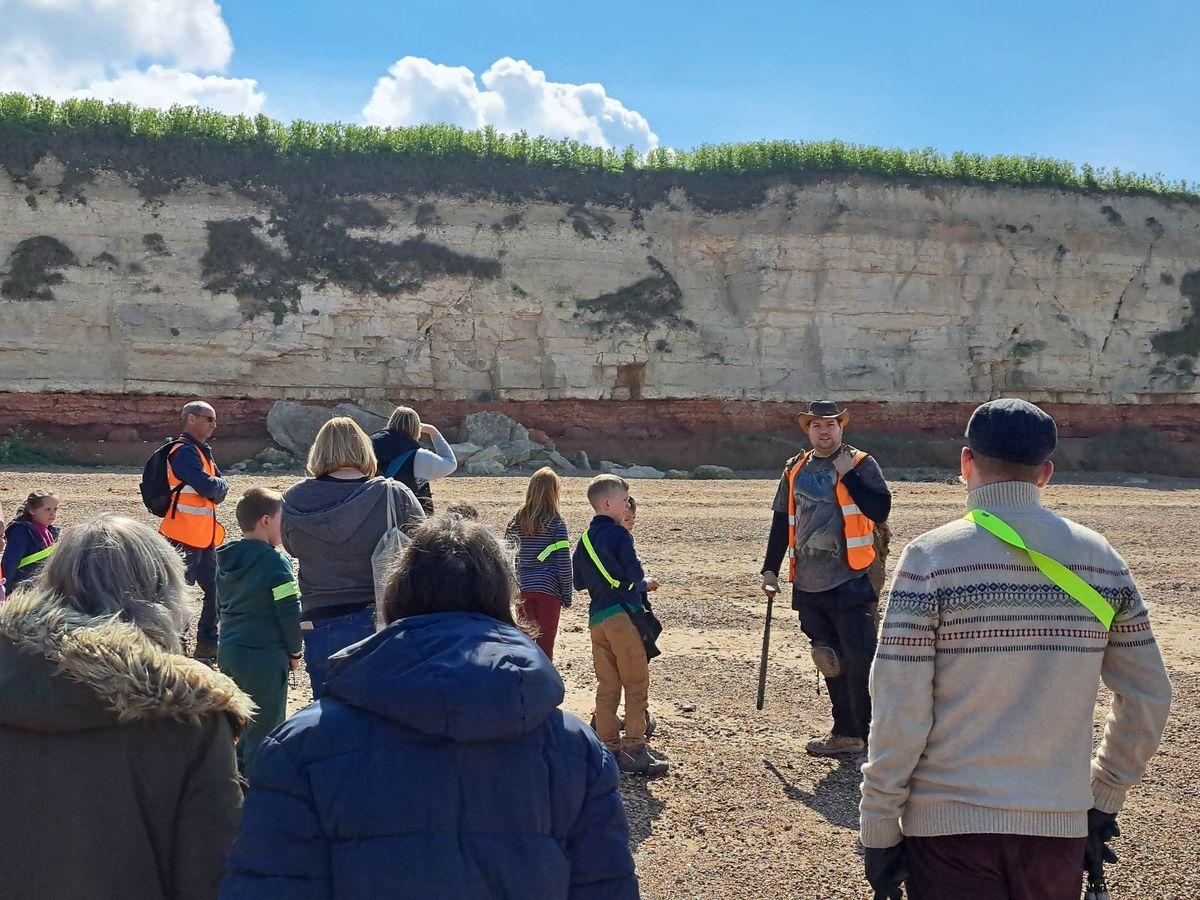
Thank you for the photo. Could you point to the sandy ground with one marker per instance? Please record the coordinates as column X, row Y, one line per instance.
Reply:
column 744, row 812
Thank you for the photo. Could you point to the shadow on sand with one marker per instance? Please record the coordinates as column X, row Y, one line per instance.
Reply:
column 835, row 796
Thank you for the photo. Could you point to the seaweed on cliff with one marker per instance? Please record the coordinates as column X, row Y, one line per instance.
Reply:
column 1183, row 341
column 32, row 268
column 651, row 302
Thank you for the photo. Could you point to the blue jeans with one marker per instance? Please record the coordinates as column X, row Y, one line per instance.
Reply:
column 327, row 636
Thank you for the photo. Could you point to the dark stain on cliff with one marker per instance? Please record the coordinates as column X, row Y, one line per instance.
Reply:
column 238, row 261
column 1185, row 340
column 32, row 268
column 154, row 243
column 587, row 222
column 650, row 302
column 1156, row 227
column 426, row 216
column 318, row 249
column 1114, row 217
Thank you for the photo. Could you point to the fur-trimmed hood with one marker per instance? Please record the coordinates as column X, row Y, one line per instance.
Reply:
column 62, row 671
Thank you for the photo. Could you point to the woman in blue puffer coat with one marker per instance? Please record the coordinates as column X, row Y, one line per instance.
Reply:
column 437, row 764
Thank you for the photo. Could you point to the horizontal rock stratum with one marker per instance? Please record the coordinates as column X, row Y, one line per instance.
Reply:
column 853, row 287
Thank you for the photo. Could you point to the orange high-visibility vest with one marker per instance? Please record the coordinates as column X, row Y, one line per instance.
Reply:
column 859, row 530
column 192, row 520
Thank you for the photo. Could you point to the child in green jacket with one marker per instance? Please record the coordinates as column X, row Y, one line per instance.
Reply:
column 259, row 606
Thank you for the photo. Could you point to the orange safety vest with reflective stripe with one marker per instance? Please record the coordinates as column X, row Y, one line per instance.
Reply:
column 192, row 520
column 858, row 529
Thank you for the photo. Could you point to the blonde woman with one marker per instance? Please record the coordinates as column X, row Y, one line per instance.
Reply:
column 399, row 454
column 543, row 556
column 332, row 521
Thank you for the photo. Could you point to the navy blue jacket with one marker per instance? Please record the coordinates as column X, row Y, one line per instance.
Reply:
column 438, row 765
column 614, row 545
column 188, row 468
column 22, row 541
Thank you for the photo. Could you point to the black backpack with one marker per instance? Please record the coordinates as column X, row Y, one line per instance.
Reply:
column 155, row 487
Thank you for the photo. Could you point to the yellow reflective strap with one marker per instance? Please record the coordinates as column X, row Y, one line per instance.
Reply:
column 1067, row 580
column 591, row 552
column 36, row 557
column 291, row 589
column 561, row 545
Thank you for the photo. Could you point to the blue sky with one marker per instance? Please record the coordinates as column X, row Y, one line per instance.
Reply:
column 1113, row 84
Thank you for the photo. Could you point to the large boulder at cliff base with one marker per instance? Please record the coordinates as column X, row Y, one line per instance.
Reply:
column 294, row 426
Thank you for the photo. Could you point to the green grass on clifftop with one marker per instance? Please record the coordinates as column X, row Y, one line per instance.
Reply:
column 161, row 146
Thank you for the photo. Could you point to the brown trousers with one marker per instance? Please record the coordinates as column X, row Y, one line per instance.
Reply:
column 620, row 660
column 995, row 867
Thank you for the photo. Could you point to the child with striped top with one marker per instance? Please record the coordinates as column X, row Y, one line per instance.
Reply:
column 543, row 556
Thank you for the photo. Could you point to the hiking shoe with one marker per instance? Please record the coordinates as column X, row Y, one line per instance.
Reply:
column 638, row 760
column 836, row 745
column 860, row 762
column 204, row 651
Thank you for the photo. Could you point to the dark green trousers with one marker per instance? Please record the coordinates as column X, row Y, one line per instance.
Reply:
column 263, row 674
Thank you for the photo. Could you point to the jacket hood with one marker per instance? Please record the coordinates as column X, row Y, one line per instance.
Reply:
column 62, row 671
column 330, row 511
column 462, row 676
column 236, row 560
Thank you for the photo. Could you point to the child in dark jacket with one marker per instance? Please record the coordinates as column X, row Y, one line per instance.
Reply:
column 30, row 538
column 543, row 556
column 607, row 567
column 259, row 607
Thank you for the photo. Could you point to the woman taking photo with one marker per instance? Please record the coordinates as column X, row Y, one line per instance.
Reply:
column 118, row 752
column 399, row 454
column 439, row 764
column 332, row 522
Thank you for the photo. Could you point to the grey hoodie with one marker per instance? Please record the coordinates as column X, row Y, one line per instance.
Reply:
column 332, row 528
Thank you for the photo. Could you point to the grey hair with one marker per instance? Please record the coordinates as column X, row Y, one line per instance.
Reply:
column 195, row 408
column 114, row 566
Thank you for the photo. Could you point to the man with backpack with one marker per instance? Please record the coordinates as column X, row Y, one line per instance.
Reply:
column 400, row 457
column 182, row 484
column 826, row 512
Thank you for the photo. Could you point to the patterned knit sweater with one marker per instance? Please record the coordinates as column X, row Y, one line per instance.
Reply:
column 984, row 684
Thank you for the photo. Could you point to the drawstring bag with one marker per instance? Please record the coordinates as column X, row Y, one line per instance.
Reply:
column 387, row 553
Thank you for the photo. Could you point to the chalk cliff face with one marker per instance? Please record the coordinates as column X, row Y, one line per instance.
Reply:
column 853, row 287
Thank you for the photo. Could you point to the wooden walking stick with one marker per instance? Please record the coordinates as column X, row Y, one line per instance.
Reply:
column 762, row 663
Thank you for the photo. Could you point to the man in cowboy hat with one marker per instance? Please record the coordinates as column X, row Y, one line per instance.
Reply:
column 825, row 511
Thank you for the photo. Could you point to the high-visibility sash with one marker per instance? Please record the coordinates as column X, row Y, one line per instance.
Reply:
column 859, row 531
column 1068, row 581
column 34, row 558
column 591, row 552
column 192, row 520
column 561, row 545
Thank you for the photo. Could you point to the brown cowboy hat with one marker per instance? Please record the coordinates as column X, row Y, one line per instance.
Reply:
column 823, row 409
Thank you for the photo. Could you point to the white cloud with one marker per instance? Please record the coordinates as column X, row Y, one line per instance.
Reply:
column 159, row 87
column 514, row 96
column 101, row 48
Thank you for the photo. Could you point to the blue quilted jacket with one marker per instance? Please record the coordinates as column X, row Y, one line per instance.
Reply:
column 439, row 766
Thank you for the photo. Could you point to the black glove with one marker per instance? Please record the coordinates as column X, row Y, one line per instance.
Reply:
column 887, row 870
column 1102, row 827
